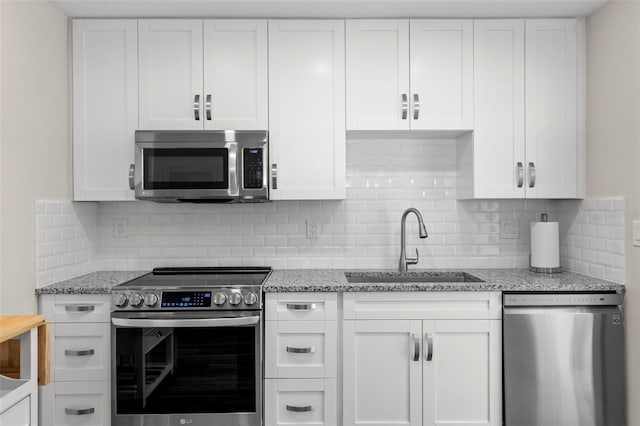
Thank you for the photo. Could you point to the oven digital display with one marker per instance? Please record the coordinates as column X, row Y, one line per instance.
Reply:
column 186, row 299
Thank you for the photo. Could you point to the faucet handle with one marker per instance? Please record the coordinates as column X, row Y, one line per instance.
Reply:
column 413, row 261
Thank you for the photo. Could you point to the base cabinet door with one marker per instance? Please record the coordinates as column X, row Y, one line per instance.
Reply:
column 382, row 373
column 461, row 373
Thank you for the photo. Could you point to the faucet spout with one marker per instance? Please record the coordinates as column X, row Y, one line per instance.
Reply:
column 422, row 231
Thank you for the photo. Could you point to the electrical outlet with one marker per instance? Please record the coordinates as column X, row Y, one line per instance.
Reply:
column 509, row 228
column 312, row 229
column 636, row 233
column 120, row 228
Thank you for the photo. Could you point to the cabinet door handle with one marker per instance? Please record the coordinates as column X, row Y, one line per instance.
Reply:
column 309, row 350
column 79, row 411
column 207, row 107
column 405, row 106
column 83, row 352
column 299, row 408
column 196, row 107
column 79, row 308
column 416, row 106
column 274, row 176
column 429, row 353
column 520, row 174
column 132, row 176
column 532, row 175
column 416, row 347
column 301, row 306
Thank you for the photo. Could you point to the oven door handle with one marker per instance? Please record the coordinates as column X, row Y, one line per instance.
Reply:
column 177, row 323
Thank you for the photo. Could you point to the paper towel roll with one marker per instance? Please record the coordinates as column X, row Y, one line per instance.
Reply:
column 545, row 246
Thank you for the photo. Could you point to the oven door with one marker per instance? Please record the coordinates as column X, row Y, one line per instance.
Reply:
column 193, row 368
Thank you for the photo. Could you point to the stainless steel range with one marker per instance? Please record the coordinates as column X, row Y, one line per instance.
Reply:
column 187, row 348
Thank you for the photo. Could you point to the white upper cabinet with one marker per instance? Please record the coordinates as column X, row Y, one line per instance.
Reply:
column 528, row 140
column 498, row 139
column 551, row 94
column 414, row 74
column 197, row 74
column 442, row 74
column 377, row 74
column 235, row 74
column 307, row 109
column 105, row 107
column 171, row 67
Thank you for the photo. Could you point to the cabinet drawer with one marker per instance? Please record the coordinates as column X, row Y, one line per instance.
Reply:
column 75, row 403
column 300, row 402
column 301, row 306
column 81, row 352
column 300, row 349
column 76, row 307
column 18, row 415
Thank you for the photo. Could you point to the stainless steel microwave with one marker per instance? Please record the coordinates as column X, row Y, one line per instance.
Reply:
column 200, row 166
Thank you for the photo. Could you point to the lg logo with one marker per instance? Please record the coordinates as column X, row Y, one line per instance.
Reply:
column 186, row 421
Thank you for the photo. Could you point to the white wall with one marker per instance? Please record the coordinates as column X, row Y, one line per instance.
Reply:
column 34, row 150
column 613, row 147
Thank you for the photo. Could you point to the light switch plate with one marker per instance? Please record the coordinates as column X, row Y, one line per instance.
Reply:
column 636, row 233
column 509, row 228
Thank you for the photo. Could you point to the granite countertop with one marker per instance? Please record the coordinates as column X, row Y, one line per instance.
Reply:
column 100, row 282
column 334, row 280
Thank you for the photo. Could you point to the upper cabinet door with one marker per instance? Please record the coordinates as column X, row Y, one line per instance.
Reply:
column 441, row 74
column 499, row 156
column 307, row 109
column 171, row 67
column 105, row 107
column 551, row 108
column 235, row 74
column 377, row 74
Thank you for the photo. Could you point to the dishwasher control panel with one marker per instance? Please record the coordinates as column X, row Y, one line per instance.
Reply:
column 561, row 299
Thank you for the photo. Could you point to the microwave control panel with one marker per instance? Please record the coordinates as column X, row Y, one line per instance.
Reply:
column 253, row 168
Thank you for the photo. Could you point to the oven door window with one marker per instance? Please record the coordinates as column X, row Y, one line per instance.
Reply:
column 185, row 370
column 185, row 168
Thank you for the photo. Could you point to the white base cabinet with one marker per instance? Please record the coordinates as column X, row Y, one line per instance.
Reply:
column 80, row 389
column 422, row 372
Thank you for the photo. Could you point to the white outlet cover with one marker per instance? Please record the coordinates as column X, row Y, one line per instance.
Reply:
column 636, row 233
column 509, row 228
column 312, row 229
column 120, row 228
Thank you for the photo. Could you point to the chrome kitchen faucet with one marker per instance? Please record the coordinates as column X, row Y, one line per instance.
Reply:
column 404, row 260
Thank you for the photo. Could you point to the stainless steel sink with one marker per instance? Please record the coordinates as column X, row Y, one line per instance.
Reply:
column 411, row 277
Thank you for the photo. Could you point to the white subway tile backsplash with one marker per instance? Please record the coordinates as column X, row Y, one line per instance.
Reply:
column 384, row 177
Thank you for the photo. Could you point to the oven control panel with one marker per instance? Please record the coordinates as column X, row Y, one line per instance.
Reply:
column 210, row 299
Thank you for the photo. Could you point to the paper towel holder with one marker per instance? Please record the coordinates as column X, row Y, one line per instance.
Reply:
column 544, row 218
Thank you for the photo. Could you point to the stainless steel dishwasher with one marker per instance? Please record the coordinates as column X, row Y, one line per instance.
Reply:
column 563, row 359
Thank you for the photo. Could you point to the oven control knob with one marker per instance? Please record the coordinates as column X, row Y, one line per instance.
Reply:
column 219, row 299
column 150, row 299
column 250, row 298
column 235, row 298
column 136, row 300
column 120, row 300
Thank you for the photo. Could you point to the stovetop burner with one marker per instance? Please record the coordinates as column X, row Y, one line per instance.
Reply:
column 204, row 288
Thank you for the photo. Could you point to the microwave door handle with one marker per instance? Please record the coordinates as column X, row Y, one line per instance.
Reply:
column 233, row 168
column 177, row 323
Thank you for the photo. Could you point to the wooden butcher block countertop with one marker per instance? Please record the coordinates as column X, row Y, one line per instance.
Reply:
column 12, row 326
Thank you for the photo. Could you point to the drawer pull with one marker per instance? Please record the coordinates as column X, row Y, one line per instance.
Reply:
column 79, row 308
column 83, row 352
column 299, row 408
column 79, row 411
column 301, row 306
column 309, row 350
